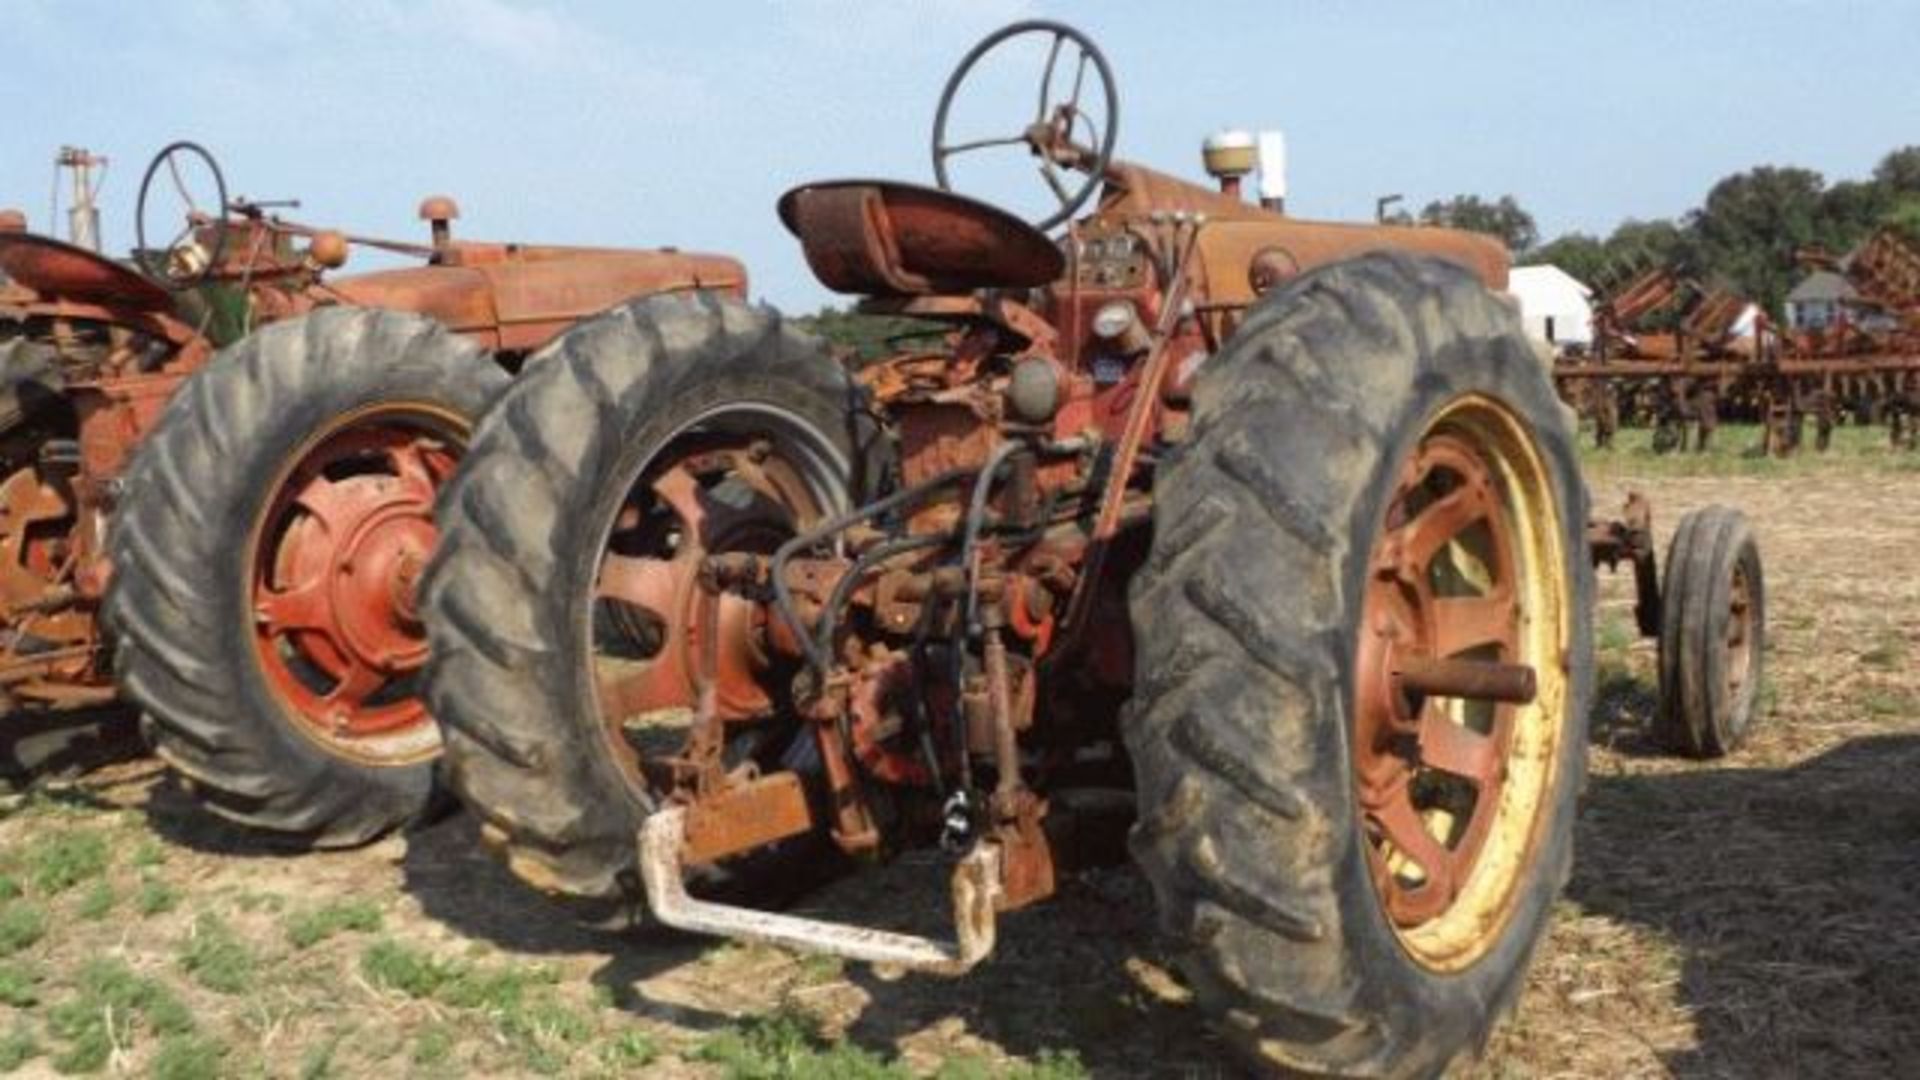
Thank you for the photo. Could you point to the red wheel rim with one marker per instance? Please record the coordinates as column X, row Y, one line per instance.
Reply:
column 741, row 478
column 1466, row 572
column 335, row 561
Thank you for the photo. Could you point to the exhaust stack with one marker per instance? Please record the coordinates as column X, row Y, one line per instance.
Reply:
column 83, row 217
column 1272, row 155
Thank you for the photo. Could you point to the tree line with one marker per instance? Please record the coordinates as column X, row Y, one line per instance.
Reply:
column 1743, row 237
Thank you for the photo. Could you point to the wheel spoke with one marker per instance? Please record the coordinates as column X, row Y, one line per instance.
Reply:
column 981, row 144
column 644, row 583
column 303, row 607
column 358, row 683
column 681, row 492
column 659, row 685
column 1403, row 827
column 1439, row 523
column 179, row 184
column 409, row 463
column 1461, row 623
column 1053, row 181
column 1455, row 748
column 1046, row 79
column 323, row 501
column 1079, row 78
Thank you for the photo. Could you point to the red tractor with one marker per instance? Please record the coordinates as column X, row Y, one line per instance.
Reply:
column 1273, row 530
column 269, row 504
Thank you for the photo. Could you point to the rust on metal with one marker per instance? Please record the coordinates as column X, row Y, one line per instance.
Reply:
column 975, row 892
column 886, row 238
column 56, row 268
column 746, row 816
column 336, row 559
column 125, row 342
column 1665, row 353
column 1477, row 680
column 1460, row 644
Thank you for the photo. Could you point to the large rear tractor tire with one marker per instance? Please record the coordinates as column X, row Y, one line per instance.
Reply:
column 562, row 601
column 1713, row 621
column 265, row 569
column 1379, row 477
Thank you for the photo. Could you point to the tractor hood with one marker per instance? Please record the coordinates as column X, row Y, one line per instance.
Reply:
column 1243, row 242
column 517, row 298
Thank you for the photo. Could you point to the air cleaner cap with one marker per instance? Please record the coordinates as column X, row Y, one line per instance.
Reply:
column 439, row 208
column 1229, row 153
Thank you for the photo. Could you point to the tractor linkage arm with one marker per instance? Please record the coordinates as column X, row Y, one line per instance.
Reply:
column 1630, row 539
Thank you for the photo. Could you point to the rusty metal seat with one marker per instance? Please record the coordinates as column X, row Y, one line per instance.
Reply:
column 884, row 238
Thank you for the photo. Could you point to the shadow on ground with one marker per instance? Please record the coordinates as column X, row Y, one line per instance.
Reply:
column 1794, row 894
column 39, row 746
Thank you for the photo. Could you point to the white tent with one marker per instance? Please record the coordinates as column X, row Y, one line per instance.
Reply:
column 1554, row 307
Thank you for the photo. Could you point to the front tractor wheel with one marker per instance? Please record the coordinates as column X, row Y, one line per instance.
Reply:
column 266, row 566
column 1712, row 635
column 1364, row 666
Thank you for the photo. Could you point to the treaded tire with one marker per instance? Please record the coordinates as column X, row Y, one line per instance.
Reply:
column 181, row 605
column 1246, row 617
column 1699, row 715
column 30, row 380
column 521, row 528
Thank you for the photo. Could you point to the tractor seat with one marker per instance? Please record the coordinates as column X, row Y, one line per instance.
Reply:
column 882, row 238
column 56, row 269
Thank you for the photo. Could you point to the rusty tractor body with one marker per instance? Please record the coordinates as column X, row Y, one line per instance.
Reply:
column 1267, row 532
column 97, row 350
column 1664, row 352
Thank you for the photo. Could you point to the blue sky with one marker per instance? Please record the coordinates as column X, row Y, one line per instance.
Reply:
column 642, row 123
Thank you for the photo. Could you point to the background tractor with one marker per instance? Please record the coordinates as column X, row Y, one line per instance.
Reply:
column 269, row 505
column 1271, row 530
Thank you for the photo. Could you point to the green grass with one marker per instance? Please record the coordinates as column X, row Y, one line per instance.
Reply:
column 545, row 1031
column 309, row 928
column 61, row 860
column 318, row 1061
column 17, row 1047
column 462, row 985
column 521, row 1002
column 1615, row 636
column 1889, row 653
column 1889, row 703
column 148, row 854
column 98, row 902
column 155, row 897
column 19, row 986
column 433, row 1045
column 189, row 1057
column 112, row 1007
column 216, row 958
column 787, row 1045
column 22, row 923
column 1733, row 452
column 629, row 1050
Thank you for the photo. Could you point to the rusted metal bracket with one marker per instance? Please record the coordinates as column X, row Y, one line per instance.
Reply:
column 1631, row 539
column 976, row 889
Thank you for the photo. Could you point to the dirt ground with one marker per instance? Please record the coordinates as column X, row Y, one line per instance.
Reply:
column 1750, row 917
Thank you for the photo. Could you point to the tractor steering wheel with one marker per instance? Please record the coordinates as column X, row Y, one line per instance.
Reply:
column 194, row 252
column 1050, row 137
